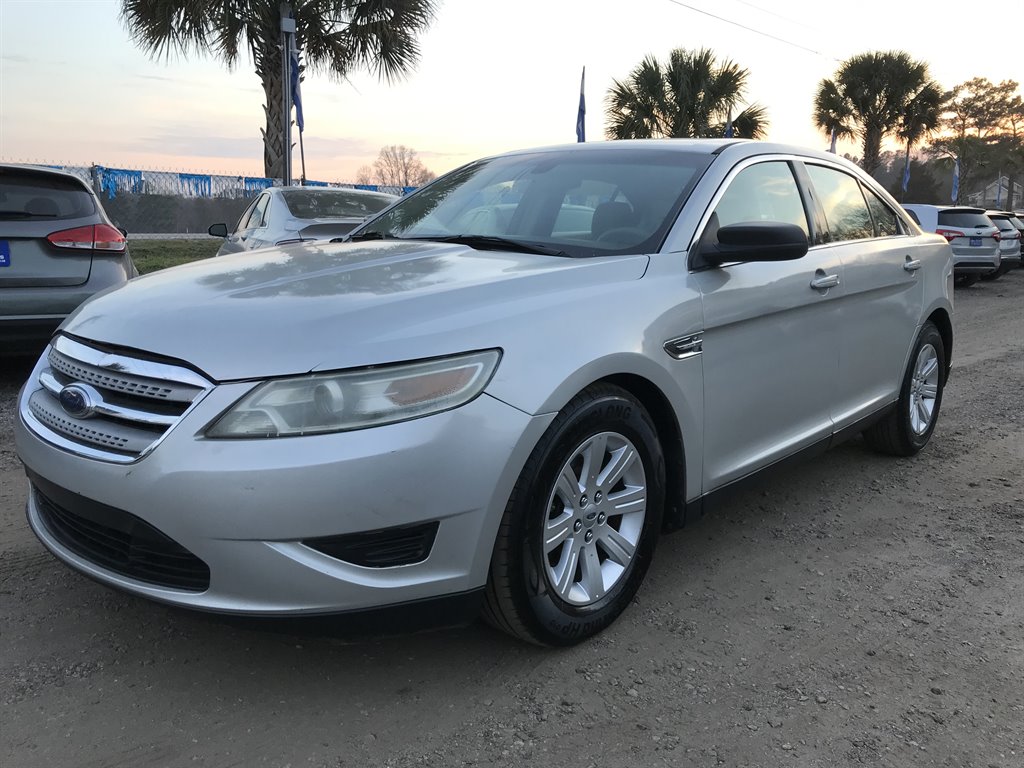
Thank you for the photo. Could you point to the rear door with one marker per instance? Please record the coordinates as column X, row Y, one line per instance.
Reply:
column 33, row 205
column 883, row 293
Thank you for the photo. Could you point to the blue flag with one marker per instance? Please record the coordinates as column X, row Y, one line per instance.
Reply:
column 728, row 126
column 296, row 95
column 999, row 192
column 956, row 180
column 581, row 114
column 832, row 147
column 906, row 174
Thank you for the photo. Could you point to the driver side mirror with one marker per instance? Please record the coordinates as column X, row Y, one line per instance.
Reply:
column 218, row 230
column 755, row 241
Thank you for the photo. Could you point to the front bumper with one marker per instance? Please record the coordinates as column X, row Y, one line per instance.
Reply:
column 243, row 507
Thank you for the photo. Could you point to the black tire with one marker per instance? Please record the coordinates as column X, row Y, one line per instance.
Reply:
column 896, row 434
column 965, row 281
column 522, row 598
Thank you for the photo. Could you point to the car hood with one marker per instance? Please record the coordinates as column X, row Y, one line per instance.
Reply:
column 307, row 307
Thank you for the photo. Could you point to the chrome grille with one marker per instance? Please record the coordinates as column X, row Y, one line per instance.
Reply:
column 131, row 402
column 59, row 362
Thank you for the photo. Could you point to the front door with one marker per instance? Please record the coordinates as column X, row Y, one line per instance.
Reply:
column 770, row 328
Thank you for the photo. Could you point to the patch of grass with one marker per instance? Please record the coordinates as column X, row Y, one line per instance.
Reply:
column 151, row 255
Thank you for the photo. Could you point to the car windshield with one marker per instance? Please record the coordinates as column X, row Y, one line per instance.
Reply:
column 1004, row 224
column 334, row 203
column 579, row 203
column 33, row 195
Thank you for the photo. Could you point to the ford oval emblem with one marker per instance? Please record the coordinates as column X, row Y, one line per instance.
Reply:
column 76, row 401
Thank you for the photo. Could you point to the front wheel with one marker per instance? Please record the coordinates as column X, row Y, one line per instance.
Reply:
column 907, row 430
column 580, row 528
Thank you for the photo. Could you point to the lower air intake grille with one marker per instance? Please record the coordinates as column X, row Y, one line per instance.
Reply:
column 124, row 544
column 403, row 545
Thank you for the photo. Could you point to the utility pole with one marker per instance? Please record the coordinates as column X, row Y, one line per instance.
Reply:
column 287, row 35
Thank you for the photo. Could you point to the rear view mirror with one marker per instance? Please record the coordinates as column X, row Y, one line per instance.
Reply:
column 218, row 230
column 756, row 241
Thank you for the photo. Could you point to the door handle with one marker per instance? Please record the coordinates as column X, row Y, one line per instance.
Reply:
column 912, row 265
column 823, row 281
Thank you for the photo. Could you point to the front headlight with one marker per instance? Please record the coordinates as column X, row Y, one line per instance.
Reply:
column 369, row 397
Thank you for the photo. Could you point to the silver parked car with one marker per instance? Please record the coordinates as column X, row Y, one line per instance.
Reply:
column 498, row 394
column 971, row 234
column 283, row 215
column 1009, row 243
column 57, row 248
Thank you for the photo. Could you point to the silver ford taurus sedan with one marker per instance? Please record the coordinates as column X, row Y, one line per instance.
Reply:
column 497, row 395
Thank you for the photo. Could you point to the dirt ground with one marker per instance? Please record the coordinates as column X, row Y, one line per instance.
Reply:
column 854, row 610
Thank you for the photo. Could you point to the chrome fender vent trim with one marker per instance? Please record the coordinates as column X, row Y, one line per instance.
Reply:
column 683, row 347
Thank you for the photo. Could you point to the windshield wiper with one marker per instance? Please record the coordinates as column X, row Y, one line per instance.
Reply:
column 492, row 243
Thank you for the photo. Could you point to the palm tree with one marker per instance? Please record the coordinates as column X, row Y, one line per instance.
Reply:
column 335, row 37
column 832, row 113
column 870, row 97
column 690, row 95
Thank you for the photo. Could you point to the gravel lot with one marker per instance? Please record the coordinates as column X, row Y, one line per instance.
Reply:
column 854, row 610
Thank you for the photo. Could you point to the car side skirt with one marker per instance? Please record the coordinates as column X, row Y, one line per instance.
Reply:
column 717, row 498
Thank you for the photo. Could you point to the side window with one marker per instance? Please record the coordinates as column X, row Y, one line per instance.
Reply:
column 913, row 215
column 244, row 218
column 845, row 210
column 762, row 192
column 887, row 223
column 256, row 218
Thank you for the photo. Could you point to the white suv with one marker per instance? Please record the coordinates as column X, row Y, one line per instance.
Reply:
column 971, row 234
column 1009, row 243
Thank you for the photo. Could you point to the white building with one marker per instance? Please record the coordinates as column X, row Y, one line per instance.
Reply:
column 998, row 191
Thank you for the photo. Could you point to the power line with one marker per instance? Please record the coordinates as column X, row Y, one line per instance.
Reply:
column 778, row 15
column 751, row 29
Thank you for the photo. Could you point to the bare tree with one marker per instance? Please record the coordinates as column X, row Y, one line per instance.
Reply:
column 396, row 166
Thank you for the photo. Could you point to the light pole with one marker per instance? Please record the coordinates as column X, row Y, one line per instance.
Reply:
column 287, row 33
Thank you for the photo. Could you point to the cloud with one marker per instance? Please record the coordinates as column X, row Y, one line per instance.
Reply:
column 160, row 78
column 425, row 153
column 201, row 145
column 338, row 147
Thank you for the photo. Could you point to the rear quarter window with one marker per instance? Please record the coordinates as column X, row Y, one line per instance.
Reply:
column 27, row 196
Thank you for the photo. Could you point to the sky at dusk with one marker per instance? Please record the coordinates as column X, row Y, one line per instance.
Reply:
column 493, row 76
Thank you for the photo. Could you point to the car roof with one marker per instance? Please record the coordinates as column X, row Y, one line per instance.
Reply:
column 331, row 191
column 44, row 170
column 701, row 146
column 943, row 208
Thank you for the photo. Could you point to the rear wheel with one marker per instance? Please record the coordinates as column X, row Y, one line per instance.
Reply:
column 579, row 531
column 907, row 430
